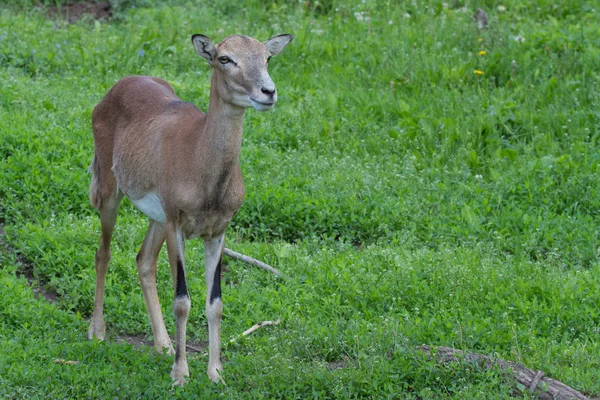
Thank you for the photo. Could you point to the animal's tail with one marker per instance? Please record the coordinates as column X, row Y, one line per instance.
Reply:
column 95, row 196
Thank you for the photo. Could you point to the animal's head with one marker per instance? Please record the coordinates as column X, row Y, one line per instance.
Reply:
column 240, row 64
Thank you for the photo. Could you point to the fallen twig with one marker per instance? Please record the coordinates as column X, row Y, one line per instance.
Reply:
column 193, row 348
column 64, row 362
column 533, row 381
column 257, row 326
column 260, row 325
column 253, row 261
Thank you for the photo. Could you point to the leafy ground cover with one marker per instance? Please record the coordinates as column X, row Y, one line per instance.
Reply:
column 420, row 181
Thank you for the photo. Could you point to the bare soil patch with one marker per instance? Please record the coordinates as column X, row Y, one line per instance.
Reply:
column 26, row 271
column 141, row 341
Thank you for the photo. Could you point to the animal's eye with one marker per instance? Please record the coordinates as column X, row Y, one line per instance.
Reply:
column 224, row 60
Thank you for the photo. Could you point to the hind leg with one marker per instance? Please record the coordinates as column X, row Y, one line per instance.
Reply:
column 108, row 218
column 146, row 264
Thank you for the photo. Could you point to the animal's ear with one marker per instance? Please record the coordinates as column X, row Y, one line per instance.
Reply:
column 277, row 43
column 204, row 47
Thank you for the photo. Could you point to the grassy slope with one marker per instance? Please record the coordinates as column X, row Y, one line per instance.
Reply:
column 474, row 200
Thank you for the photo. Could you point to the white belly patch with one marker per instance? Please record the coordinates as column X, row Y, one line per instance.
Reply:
column 151, row 205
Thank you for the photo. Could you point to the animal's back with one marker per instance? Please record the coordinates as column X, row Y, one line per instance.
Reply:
column 126, row 126
column 132, row 98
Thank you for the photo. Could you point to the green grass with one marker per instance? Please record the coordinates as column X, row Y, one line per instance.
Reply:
column 410, row 200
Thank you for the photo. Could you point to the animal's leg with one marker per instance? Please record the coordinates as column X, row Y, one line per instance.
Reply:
column 108, row 218
column 181, row 304
column 146, row 265
column 213, row 253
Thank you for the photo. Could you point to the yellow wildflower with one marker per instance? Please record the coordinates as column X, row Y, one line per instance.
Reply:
column 478, row 72
column 482, row 53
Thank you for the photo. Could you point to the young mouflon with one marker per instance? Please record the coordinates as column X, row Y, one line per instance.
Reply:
column 180, row 167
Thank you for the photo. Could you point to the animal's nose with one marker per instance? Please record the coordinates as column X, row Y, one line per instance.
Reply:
column 267, row 91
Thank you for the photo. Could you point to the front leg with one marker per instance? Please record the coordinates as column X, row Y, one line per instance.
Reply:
column 213, row 253
column 182, row 303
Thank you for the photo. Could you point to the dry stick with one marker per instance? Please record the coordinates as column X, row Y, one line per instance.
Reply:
column 546, row 388
column 257, row 326
column 193, row 348
column 260, row 325
column 253, row 261
column 64, row 362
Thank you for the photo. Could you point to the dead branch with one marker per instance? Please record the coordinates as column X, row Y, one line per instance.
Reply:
column 257, row 326
column 260, row 325
column 535, row 381
column 253, row 261
column 193, row 348
column 64, row 362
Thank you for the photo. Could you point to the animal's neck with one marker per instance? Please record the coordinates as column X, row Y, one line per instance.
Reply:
column 224, row 125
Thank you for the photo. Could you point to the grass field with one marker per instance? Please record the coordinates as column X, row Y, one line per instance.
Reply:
column 419, row 182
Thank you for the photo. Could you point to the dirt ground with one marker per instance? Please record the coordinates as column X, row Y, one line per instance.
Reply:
column 74, row 11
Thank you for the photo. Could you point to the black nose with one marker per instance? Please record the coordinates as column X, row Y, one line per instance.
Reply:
column 268, row 91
